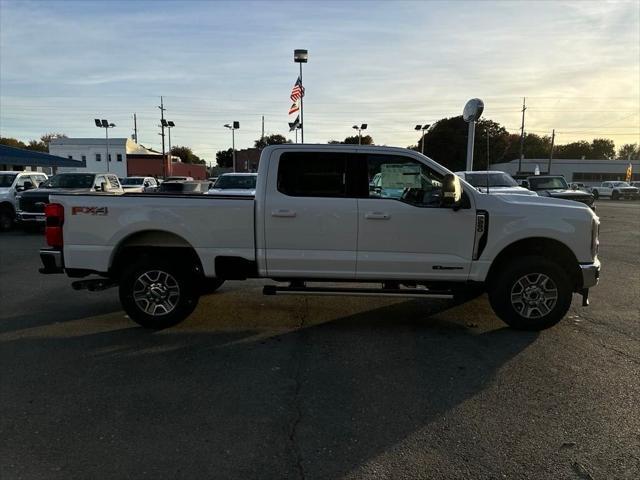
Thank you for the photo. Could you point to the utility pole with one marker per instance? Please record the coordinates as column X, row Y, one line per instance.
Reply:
column 262, row 136
column 553, row 137
column 162, row 124
column 522, row 136
column 135, row 128
column 488, row 150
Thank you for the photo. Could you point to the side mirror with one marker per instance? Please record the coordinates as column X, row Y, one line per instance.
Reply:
column 451, row 191
column 525, row 183
column 20, row 188
column 28, row 185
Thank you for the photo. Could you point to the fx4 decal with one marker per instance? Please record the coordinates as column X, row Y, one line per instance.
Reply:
column 101, row 211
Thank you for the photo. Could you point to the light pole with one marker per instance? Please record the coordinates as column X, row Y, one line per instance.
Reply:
column 168, row 124
column 472, row 111
column 106, row 125
column 360, row 128
column 233, row 127
column 424, row 128
column 301, row 56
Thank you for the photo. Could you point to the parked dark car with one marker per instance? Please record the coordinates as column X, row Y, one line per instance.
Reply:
column 30, row 208
column 556, row 186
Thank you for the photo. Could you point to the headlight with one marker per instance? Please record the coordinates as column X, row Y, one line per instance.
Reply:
column 595, row 243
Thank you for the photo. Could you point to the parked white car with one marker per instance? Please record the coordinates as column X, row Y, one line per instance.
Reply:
column 138, row 184
column 11, row 184
column 494, row 181
column 314, row 219
column 616, row 190
column 234, row 184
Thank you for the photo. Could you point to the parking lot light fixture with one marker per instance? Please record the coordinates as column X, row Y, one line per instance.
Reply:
column 233, row 127
column 424, row 128
column 168, row 124
column 106, row 125
column 360, row 128
column 301, row 56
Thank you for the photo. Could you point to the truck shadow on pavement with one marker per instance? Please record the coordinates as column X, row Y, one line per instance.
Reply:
column 320, row 401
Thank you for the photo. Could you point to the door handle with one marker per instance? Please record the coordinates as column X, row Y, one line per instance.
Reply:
column 283, row 213
column 377, row 216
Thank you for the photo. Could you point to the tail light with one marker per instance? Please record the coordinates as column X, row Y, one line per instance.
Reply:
column 54, row 213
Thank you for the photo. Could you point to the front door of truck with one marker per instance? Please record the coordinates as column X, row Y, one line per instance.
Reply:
column 310, row 217
column 403, row 231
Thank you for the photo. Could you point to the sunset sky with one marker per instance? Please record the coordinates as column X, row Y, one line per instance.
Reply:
column 389, row 64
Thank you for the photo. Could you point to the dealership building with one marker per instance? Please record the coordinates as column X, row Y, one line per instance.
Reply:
column 589, row 172
column 125, row 158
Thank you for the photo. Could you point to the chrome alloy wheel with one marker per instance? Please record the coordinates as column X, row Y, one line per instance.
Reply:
column 156, row 292
column 534, row 295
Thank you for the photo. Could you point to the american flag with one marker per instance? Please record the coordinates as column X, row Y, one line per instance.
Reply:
column 298, row 91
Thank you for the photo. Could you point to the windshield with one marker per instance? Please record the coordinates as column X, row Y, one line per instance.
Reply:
column 69, row 180
column 497, row 179
column 131, row 181
column 226, row 182
column 547, row 183
column 620, row 184
column 6, row 179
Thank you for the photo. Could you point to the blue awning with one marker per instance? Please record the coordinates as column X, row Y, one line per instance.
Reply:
column 31, row 158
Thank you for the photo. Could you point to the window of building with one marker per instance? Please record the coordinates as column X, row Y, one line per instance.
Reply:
column 119, row 157
column 109, row 157
column 98, row 157
column 84, row 158
column 70, row 157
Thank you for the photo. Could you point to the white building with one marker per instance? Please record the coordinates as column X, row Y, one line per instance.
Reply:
column 589, row 172
column 93, row 151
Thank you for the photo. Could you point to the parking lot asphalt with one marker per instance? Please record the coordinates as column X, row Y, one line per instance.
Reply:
column 318, row 387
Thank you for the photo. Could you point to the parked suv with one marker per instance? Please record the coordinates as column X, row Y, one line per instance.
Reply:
column 30, row 208
column 11, row 184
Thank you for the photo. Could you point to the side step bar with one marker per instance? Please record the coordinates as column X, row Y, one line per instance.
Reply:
column 357, row 292
column 93, row 285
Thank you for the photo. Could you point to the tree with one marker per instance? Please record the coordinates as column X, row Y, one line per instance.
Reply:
column 224, row 158
column 602, row 148
column 42, row 145
column 446, row 142
column 186, row 155
column 629, row 151
column 275, row 139
column 573, row 150
column 366, row 140
column 12, row 142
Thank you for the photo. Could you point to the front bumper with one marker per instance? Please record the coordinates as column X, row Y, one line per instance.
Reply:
column 29, row 217
column 52, row 261
column 590, row 273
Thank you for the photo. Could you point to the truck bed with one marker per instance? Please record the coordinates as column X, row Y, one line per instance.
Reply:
column 95, row 225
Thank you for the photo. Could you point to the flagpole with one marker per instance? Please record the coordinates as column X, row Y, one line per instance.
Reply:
column 301, row 108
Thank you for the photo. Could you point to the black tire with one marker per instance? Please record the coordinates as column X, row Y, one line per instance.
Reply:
column 171, row 293
column 595, row 194
column 6, row 219
column 615, row 196
column 534, row 309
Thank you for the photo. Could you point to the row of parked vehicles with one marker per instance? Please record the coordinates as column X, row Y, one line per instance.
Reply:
column 23, row 195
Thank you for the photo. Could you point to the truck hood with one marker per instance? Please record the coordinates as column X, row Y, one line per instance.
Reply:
column 563, row 193
column 509, row 190
column 523, row 203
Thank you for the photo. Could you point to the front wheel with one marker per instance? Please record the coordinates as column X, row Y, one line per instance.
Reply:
column 158, row 294
column 595, row 194
column 532, row 293
column 6, row 219
column 615, row 196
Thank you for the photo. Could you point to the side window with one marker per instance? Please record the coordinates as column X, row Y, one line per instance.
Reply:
column 119, row 157
column 22, row 179
column 404, row 179
column 98, row 157
column 99, row 180
column 313, row 174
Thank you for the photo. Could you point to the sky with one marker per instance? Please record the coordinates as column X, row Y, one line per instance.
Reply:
column 390, row 64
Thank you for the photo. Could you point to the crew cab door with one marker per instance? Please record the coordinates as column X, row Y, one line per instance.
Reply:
column 310, row 216
column 403, row 231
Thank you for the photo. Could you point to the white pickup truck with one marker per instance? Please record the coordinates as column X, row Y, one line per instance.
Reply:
column 316, row 224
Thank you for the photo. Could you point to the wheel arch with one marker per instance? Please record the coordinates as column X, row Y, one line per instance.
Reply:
column 151, row 243
column 8, row 205
column 550, row 248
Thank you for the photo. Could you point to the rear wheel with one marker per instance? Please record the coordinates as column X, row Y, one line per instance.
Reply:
column 595, row 194
column 532, row 293
column 158, row 294
column 615, row 196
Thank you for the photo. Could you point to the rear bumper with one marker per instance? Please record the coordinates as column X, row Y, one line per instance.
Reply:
column 590, row 273
column 52, row 261
column 29, row 217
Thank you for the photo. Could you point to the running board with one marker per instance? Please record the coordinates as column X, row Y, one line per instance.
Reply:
column 357, row 292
